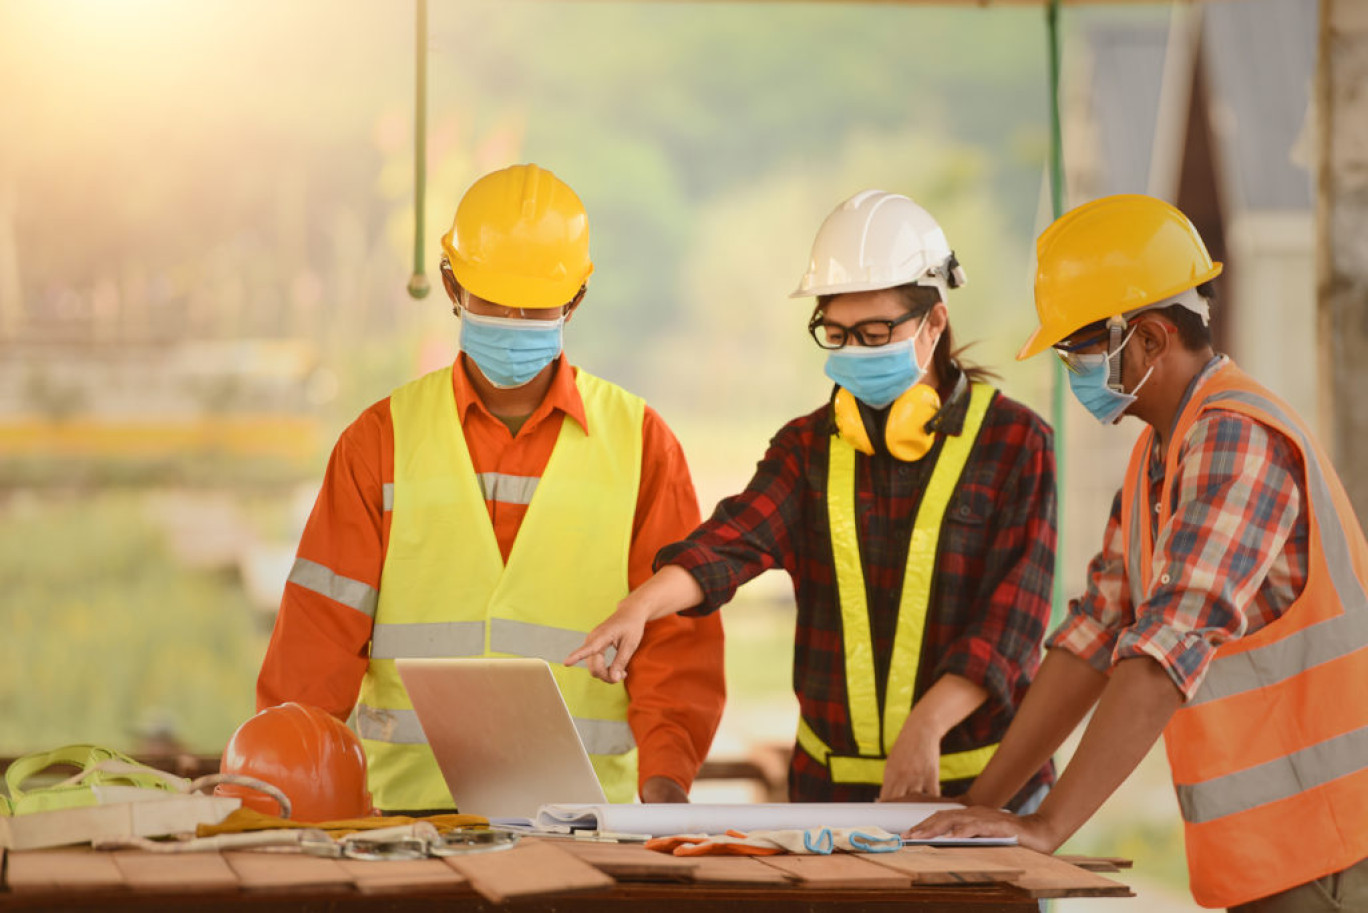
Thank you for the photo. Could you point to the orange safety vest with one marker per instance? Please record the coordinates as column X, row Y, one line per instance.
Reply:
column 1270, row 755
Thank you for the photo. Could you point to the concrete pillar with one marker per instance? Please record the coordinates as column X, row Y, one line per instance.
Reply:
column 1342, row 249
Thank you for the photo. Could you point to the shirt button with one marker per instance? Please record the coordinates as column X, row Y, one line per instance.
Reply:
column 1165, row 578
column 964, row 510
column 1156, row 508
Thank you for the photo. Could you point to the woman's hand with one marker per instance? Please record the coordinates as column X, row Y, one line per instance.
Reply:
column 671, row 590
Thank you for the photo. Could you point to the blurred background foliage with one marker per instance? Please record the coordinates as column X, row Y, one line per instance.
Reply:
column 206, row 226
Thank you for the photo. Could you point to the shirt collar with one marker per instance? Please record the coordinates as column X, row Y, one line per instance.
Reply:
column 562, row 395
column 1156, row 464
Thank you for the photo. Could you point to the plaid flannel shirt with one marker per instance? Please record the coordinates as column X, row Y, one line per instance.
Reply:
column 990, row 600
column 1234, row 554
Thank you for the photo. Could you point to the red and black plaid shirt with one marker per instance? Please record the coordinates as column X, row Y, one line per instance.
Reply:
column 990, row 598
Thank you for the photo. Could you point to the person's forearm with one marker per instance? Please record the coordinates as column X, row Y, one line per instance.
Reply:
column 670, row 591
column 1061, row 695
column 945, row 704
column 1138, row 702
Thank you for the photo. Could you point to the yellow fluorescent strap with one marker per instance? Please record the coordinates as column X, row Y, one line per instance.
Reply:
column 960, row 765
column 861, row 693
column 921, row 565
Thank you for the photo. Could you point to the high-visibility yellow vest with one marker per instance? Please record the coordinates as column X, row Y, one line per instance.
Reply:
column 1270, row 755
column 444, row 589
column 874, row 733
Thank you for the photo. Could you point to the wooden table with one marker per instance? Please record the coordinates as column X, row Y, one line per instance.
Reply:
column 546, row 875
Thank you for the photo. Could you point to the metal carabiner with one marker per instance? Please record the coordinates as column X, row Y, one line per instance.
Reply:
column 460, row 842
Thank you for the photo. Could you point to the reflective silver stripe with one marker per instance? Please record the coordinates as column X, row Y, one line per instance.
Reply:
column 316, row 578
column 388, row 491
column 1280, row 778
column 1135, row 573
column 498, row 486
column 540, row 641
column 380, row 725
column 1318, row 643
column 442, row 638
column 605, row 736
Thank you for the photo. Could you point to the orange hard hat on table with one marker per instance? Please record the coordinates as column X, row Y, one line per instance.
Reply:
column 307, row 753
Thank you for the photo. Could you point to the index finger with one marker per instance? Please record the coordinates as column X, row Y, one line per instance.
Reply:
column 592, row 644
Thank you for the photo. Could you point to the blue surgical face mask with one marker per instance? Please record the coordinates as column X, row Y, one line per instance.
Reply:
column 1088, row 380
column 507, row 351
column 876, row 375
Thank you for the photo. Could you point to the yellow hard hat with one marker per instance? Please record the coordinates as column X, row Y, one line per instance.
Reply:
column 1110, row 257
column 521, row 239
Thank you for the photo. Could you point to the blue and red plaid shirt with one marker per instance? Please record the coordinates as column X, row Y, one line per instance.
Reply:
column 1235, row 551
column 990, row 599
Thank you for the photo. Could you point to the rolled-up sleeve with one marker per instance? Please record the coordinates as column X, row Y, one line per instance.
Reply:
column 1236, row 502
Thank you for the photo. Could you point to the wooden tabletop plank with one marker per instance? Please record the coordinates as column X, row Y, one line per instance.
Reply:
column 1097, row 863
column 944, row 866
column 839, row 870
column 378, row 877
column 631, row 862
column 261, row 871
column 175, row 871
column 62, row 870
column 1047, row 876
column 532, row 867
column 734, row 870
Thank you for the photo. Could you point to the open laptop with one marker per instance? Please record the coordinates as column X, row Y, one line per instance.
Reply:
column 501, row 733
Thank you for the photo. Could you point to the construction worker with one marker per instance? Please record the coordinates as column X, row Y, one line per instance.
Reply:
column 915, row 513
column 490, row 509
column 1227, row 607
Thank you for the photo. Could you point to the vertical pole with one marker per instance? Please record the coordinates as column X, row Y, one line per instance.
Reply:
column 418, row 285
column 1057, row 400
column 1342, row 230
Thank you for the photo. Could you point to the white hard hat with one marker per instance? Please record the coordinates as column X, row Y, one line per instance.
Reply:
column 877, row 240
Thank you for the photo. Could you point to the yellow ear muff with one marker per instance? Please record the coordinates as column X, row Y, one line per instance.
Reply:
column 849, row 422
column 906, row 434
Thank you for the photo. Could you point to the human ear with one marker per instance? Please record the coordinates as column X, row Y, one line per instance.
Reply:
column 937, row 319
column 575, row 303
column 1154, row 337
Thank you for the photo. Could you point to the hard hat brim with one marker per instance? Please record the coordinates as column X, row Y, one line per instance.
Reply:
column 846, row 288
column 1046, row 336
column 512, row 290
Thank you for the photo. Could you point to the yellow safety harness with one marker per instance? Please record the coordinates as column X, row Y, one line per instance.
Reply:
column 873, row 740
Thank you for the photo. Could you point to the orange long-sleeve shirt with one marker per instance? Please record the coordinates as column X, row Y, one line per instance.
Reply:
column 319, row 647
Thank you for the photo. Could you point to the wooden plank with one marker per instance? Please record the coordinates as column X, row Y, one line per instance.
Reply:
column 1046, row 876
column 275, row 871
column 937, row 865
column 532, row 867
column 379, row 877
column 1097, row 863
column 737, row 870
column 190, row 872
column 631, row 862
column 62, row 870
column 837, row 871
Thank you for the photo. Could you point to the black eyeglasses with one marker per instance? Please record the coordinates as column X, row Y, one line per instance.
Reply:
column 869, row 333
